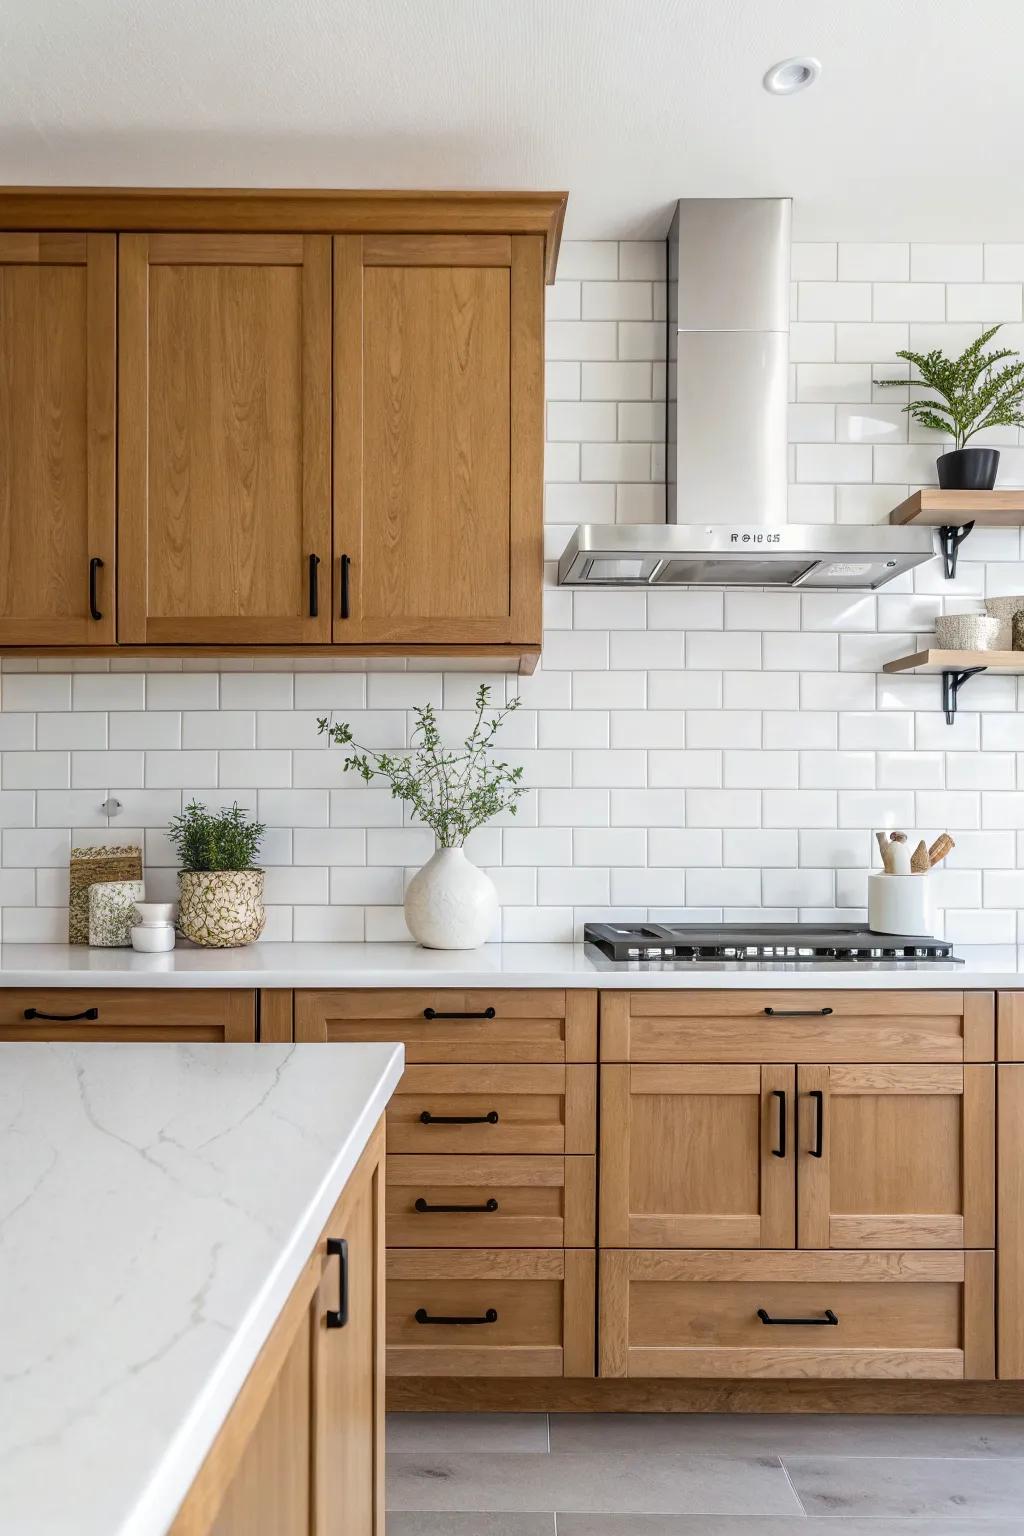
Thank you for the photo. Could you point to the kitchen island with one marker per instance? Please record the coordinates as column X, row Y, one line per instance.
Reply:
column 164, row 1210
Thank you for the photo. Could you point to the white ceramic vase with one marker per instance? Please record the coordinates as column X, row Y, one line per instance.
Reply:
column 450, row 904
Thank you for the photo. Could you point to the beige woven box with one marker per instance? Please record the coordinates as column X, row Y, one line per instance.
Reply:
column 89, row 866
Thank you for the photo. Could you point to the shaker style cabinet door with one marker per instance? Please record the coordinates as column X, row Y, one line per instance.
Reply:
column 57, row 444
column 438, row 404
column 224, row 439
column 697, row 1156
column 896, row 1156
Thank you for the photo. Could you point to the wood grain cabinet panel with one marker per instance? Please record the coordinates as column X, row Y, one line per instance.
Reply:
column 472, row 1109
column 896, row 1156
column 697, row 1156
column 225, row 439
column 57, row 442
column 498, row 1202
column 438, row 367
column 756, row 1314
column 127, row 1013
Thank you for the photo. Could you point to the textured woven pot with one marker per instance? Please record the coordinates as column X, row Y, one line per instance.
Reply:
column 221, row 908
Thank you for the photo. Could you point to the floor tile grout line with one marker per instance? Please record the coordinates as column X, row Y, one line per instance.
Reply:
column 792, row 1486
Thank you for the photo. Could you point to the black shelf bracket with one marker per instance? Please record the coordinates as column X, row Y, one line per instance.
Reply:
column 951, row 537
column 952, row 682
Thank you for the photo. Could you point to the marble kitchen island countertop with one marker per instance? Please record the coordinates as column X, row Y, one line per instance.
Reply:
column 493, row 965
column 157, row 1204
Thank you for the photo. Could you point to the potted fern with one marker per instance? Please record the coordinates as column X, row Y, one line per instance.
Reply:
column 449, row 904
column 971, row 392
column 220, row 888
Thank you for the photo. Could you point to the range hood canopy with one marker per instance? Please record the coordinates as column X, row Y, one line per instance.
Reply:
column 726, row 448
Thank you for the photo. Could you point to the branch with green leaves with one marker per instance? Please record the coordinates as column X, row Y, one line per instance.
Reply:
column 972, row 391
column 451, row 790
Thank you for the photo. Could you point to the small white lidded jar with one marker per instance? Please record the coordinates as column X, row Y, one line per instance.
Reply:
column 901, row 904
column 154, row 933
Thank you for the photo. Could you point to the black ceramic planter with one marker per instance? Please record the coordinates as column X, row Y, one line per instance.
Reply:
column 968, row 469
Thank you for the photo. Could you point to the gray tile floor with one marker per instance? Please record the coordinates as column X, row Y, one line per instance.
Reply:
column 703, row 1475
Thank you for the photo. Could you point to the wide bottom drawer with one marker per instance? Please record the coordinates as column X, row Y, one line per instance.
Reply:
column 750, row 1313
column 490, row 1312
column 503, row 1202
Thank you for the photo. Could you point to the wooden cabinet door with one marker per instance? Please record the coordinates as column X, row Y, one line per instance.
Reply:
column 697, row 1157
column 438, row 438
column 57, row 475
column 224, row 432
column 127, row 1013
column 896, row 1156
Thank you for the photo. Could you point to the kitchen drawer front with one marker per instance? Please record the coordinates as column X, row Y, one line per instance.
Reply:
column 126, row 1013
column 534, row 1312
column 515, row 1025
column 791, row 1026
column 531, row 1109
column 913, row 1315
column 513, row 1202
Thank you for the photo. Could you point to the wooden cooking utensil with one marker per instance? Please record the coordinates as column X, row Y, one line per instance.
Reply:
column 919, row 859
column 942, row 846
column 883, row 848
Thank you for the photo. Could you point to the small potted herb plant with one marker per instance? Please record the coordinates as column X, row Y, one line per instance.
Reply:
column 220, row 888
column 971, row 392
column 450, row 904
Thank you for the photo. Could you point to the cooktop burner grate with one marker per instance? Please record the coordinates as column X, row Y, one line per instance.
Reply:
column 805, row 943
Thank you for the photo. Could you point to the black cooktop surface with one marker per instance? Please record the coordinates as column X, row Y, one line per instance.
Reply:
column 802, row 942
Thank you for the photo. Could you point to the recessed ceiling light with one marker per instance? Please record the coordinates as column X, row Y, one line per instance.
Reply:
column 791, row 75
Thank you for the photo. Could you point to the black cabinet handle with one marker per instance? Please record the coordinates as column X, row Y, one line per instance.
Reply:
column 95, row 564
column 345, row 564
column 314, row 586
column 798, row 1013
column 430, row 1013
column 828, row 1321
column 491, row 1118
column 818, row 1150
column 339, row 1246
column 780, row 1150
column 423, row 1316
column 63, row 1018
column 422, row 1205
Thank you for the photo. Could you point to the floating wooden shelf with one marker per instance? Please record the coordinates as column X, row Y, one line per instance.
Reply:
column 944, row 509
column 955, row 668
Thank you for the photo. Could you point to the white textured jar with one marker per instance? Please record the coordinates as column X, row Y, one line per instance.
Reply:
column 901, row 904
column 450, row 904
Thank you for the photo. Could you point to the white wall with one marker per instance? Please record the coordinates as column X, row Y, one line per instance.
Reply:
column 691, row 753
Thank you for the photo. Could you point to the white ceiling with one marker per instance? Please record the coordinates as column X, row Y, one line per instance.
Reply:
column 913, row 129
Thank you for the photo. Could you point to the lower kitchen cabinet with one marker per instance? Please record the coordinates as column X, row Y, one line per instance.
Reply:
column 302, row 1448
column 506, row 1108
column 503, row 1202
column 494, row 1312
column 127, row 1013
column 755, row 1314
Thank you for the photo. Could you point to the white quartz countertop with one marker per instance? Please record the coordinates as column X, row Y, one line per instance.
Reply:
column 504, row 965
column 157, row 1204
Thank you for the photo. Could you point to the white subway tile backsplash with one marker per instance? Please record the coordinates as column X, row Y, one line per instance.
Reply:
column 931, row 263
column 909, row 301
column 588, row 259
column 874, row 263
column 986, row 302
column 834, row 301
column 864, row 343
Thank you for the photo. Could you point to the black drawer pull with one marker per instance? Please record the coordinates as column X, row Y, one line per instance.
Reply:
column 429, row 1013
column 491, row 1118
column 798, row 1013
column 95, row 564
column 423, row 1316
column 828, row 1321
column 422, row 1205
column 314, row 586
column 780, row 1150
column 339, row 1246
column 63, row 1018
column 818, row 1150
column 346, row 562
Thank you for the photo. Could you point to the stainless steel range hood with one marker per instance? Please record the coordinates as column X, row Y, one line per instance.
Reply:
column 726, row 475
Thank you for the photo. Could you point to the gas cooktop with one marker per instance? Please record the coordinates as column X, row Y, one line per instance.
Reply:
column 806, row 943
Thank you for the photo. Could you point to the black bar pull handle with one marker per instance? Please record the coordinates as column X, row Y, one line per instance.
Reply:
column 818, row 1150
column 431, row 1013
column 339, row 1246
column 491, row 1118
column 828, row 1321
column 314, row 586
column 346, row 564
column 780, row 1150
column 798, row 1013
column 488, row 1205
column 62, row 1018
column 95, row 564
column 423, row 1316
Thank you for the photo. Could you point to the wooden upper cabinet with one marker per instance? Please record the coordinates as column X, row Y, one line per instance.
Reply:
column 57, row 464
column 438, row 438
column 224, row 439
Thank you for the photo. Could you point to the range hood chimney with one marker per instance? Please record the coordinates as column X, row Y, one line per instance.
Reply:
column 726, row 406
